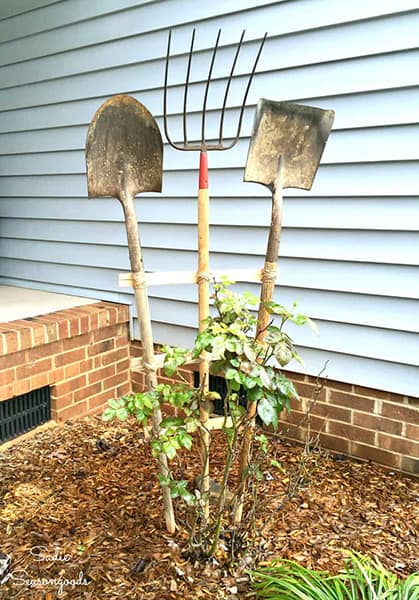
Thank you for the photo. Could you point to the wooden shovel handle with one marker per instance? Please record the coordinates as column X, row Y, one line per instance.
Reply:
column 266, row 295
column 144, row 320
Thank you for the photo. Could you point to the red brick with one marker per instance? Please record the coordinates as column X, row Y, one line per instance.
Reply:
column 72, row 412
column 329, row 411
column 72, row 370
column 123, row 390
column 339, row 385
column 2, row 345
column 412, row 432
column 371, row 393
column 56, row 375
column 102, row 373
column 331, row 442
column 70, row 385
column 100, row 401
column 376, row 455
column 398, row 444
column 86, row 365
column 50, row 327
column 68, row 357
column 87, row 391
column 106, row 333
column 377, row 423
column 351, row 401
column 123, row 365
column 25, row 334
column 39, row 381
column 45, row 350
column 99, row 347
column 295, row 376
column 7, row 376
column 22, row 386
column 400, row 412
column 75, row 342
column 311, row 391
column 12, row 341
column 356, row 434
column 62, row 401
column 33, row 368
column 114, row 356
column 12, row 360
column 122, row 340
column 6, row 392
column 115, row 380
column 410, row 465
column 39, row 335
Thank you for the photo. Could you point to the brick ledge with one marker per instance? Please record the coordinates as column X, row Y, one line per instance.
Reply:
column 31, row 332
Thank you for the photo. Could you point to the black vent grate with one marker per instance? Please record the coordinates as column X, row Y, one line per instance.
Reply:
column 218, row 384
column 23, row 413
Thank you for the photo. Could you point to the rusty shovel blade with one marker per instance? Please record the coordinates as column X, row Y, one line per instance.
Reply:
column 289, row 134
column 124, row 150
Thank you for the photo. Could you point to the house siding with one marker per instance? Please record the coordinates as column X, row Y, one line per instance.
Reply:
column 349, row 248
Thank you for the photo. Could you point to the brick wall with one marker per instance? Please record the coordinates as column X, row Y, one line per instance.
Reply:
column 349, row 419
column 82, row 353
column 363, row 422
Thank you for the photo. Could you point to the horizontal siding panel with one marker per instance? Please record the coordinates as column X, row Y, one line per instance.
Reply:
column 344, row 339
column 128, row 23
column 62, row 288
column 349, row 146
column 56, row 15
column 334, row 43
column 341, row 77
column 288, row 17
column 373, row 179
column 350, row 277
column 355, row 246
column 372, row 311
column 385, row 107
column 400, row 379
column 8, row 10
column 390, row 213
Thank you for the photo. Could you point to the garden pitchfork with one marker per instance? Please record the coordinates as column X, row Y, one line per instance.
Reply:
column 203, row 146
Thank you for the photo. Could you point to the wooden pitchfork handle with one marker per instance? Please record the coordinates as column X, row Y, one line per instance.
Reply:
column 203, row 308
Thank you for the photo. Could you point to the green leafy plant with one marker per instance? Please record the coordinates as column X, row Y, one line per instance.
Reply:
column 362, row 579
column 252, row 370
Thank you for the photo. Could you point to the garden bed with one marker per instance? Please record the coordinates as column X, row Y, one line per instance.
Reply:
column 82, row 501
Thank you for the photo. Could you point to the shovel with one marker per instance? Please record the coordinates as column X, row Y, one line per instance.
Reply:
column 124, row 155
column 285, row 150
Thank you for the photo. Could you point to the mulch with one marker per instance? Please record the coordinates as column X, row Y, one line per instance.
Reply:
column 81, row 502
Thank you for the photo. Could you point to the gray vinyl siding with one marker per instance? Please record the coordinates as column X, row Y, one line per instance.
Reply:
column 349, row 248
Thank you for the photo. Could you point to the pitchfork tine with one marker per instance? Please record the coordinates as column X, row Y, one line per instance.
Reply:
column 204, row 106
column 166, row 75
column 249, row 83
column 233, row 66
column 185, row 96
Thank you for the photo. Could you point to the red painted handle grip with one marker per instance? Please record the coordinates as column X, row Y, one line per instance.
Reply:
column 203, row 171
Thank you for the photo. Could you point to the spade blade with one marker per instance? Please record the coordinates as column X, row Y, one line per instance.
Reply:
column 124, row 150
column 294, row 133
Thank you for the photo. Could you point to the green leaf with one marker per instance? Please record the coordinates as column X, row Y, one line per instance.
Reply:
column 121, row 414
column 115, row 404
column 108, row 414
column 266, row 411
column 254, row 394
column 230, row 374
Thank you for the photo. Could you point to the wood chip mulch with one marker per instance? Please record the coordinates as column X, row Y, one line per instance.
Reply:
column 80, row 503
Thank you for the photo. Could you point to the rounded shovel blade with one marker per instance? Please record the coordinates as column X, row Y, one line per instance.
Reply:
column 124, row 150
column 294, row 133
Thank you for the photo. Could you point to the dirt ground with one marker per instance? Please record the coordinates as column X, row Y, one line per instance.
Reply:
column 80, row 516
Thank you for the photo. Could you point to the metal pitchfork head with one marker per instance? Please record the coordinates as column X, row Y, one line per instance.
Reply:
column 203, row 145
